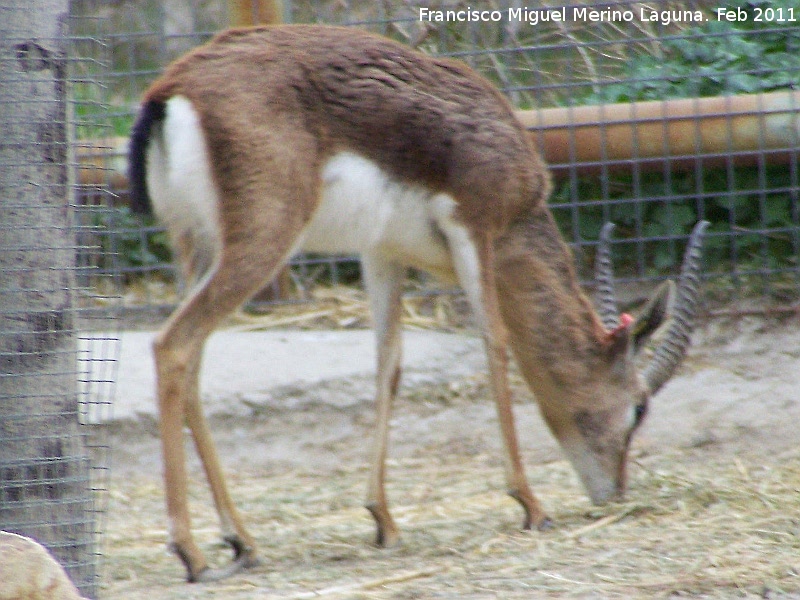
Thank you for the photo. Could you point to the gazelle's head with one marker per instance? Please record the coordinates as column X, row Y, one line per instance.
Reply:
column 595, row 417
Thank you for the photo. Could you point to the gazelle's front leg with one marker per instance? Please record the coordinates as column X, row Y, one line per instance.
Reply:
column 384, row 280
column 496, row 339
column 473, row 258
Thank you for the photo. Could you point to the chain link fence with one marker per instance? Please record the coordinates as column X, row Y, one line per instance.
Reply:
column 652, row 115
column 57, row 317
column 652, row 155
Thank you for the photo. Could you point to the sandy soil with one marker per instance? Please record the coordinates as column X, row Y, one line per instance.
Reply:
column 302, row 398
column 736, row 401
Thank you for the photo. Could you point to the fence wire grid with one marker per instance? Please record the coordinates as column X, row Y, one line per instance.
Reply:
column 680, row 161
column 624, row 111
column 58, row 341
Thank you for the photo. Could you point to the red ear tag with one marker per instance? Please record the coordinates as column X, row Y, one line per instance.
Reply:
column 625, row 321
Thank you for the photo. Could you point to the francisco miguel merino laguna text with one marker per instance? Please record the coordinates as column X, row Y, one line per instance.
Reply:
column 534, row 16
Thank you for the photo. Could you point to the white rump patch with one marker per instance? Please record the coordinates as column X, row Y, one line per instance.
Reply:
column 179, row 176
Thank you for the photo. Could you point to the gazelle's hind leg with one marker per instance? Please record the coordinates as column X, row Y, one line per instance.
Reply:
column 384, row 281
column 245, row 265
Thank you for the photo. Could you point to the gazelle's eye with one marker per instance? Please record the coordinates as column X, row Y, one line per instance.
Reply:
column 639, row 411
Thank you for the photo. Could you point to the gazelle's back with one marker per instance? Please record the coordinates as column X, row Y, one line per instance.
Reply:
column 313, row 92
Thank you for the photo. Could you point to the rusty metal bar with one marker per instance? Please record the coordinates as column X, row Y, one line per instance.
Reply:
column 738, row 128
column 242, row 13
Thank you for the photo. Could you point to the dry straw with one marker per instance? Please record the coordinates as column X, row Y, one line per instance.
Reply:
column 697, row 523
column 701, row 522
column 346, row 307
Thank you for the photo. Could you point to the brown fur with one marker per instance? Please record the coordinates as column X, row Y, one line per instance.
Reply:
column 276, row 103
column 555, row 331
column 322, row 90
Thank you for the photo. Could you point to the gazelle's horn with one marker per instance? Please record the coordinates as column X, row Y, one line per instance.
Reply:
column 604, row 275
column 669, row 353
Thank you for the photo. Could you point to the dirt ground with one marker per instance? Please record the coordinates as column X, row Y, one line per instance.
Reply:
column 713, row 509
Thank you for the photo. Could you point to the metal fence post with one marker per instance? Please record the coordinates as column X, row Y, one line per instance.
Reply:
column 44, row 467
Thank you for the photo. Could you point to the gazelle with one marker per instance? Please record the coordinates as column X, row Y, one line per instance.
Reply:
column 274, row 139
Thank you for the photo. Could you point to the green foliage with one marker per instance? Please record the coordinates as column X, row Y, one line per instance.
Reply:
column 715, row 58
column 741, row 204
column 133, row 240
column 753, row 210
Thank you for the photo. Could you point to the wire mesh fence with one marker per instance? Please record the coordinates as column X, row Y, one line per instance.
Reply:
column 97, row 297
column 651, row 156
column 57, row 351
column 652, row 115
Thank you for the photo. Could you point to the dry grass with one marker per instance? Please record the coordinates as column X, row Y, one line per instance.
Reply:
column 701, row 522
column 346, row 307
column 324, row 307
column 695, row 524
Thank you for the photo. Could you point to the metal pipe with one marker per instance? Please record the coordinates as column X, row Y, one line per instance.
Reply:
column 244, row 13
column 720, row 129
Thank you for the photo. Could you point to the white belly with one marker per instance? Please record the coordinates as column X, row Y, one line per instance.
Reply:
column 364, row 210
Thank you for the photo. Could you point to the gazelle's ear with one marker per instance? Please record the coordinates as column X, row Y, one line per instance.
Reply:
column 618, row 339
column 655, row 312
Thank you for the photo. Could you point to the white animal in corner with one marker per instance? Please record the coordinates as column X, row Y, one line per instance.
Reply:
column 29, row 572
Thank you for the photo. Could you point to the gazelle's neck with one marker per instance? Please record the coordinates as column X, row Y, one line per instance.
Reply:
column 554, row 330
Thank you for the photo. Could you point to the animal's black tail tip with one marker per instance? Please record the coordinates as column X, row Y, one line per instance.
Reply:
column 150, row 113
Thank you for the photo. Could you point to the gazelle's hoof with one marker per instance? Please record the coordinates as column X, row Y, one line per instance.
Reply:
column 244, row 557
column 387, row 533
column 246, row 560
column 534, row 515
